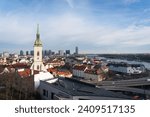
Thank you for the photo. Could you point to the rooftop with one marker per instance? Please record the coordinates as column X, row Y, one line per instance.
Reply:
column 78, row 88
column 91, row 71
column 80, row 67
column 20, row 65
column 24, row 72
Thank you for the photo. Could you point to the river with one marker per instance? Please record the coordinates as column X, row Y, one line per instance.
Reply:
column 146, row 64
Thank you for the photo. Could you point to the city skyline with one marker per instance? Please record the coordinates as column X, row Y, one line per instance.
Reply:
column 105, row 26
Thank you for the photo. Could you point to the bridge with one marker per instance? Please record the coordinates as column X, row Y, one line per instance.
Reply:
column 126, row 89
column 125, row 83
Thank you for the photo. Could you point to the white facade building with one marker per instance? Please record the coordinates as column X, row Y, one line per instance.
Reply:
column 93, row 75
column 78, row 70
column 88, row 73
column 127, row 68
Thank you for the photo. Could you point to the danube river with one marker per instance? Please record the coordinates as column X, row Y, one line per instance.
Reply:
column 146, row 64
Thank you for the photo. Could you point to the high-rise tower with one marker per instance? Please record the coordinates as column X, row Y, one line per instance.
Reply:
column 76, row 50
column 38, row 62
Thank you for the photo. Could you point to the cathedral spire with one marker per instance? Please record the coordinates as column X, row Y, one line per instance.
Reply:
column 38, row 29
column 37, row 34
column 37, row 41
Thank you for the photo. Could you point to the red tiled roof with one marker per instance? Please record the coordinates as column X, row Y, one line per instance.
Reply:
column 25, row 73
column 94, row 71
column 91, row 71
column 20, row 65
column 79, row 67
column 63, row 73
column 52, row 70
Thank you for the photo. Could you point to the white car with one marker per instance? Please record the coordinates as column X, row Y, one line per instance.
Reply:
column 148, row 80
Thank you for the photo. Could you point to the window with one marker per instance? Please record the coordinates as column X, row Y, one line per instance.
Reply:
column 38, row 53
column 38, row 67
column 52, row 95
column 45, row 93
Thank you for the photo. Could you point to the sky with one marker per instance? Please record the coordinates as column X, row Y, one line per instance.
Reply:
column 95, row 26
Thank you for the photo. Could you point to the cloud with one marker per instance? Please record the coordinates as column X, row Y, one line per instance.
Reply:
column 130, row 1
column 69, row 30
column 70, row 3
column 147, row 10
column 66, row 30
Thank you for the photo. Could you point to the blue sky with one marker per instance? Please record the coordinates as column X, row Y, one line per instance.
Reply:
column 95, row 26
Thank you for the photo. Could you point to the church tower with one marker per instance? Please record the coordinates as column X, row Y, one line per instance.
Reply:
column 38, row 62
